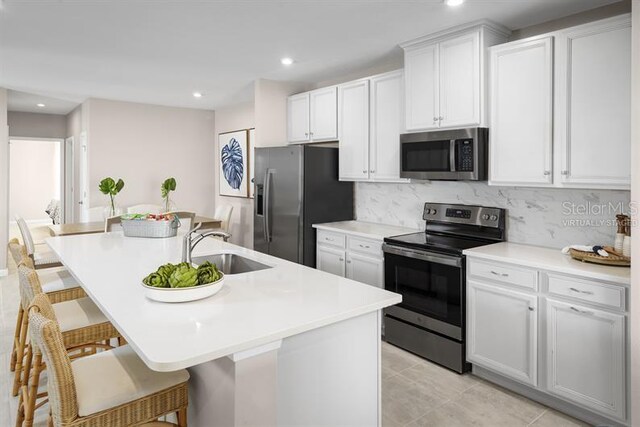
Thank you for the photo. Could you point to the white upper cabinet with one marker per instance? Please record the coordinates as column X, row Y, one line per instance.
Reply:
column 312, row 116
column 522, row 113
column 595, row 100
column 386, row 116
column 298, row 118
column 460, row 81
column 353, row 124
column 370, row 118
column 580, row 139
column 446, row 78
column 323, row 124
column 421, row 74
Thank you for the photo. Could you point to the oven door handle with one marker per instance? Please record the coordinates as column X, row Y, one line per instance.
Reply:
column 424, row 256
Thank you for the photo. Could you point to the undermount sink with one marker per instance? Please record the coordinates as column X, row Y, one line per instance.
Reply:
column 230, row 263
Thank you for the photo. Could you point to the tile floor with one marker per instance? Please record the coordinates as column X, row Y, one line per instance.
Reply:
column 415, row 393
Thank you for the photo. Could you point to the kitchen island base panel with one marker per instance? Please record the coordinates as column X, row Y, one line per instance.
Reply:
column 324, row 377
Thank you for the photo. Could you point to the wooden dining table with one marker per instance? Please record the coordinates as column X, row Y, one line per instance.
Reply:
column 98, row 226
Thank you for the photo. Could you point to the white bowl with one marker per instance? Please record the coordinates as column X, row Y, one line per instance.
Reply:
column 183, row 294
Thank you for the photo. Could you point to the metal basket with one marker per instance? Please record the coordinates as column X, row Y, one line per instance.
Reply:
column 150, row 229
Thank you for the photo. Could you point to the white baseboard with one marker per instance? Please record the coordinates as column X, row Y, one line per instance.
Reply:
column 4, row 272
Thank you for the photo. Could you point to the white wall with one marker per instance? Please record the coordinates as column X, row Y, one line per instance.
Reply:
column 37, row 125
column 635, row 197
column 34, row 177
column 241, row 225
column 4, row 181
column 145, row 144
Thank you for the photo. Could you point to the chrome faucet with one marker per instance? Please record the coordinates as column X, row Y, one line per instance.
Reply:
column 189, row 243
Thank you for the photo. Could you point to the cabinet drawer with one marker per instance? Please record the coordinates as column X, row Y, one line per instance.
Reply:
column 517, row 276
column 330, row 238
column 593, row 292
column 365, row 246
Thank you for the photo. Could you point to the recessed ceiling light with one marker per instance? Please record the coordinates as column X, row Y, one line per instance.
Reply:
column 286, row 61
column 41, row 105
column 453, row 2
column 197, row 94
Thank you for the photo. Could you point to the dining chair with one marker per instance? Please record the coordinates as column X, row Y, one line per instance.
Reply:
column 109, row 223
column 182, row 215
column 223, row 213
column 110, row 388
column 56, row 282
column 144, row 209
column 84, row 327
column 41, row 259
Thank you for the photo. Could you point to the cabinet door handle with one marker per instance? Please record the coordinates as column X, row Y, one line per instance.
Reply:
column 547, row 173
column 341, row 259
column 532, row 309
column 364, row 171
column 328, row 239
column 565, row 173
column 580, row 291
column 435, row 120
column 348, row 261
column 499, row 274
column 364, row 246
column 589, row 313
column 372, row 171
column 441, row 118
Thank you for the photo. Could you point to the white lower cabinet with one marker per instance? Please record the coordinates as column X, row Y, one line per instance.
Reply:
column 330, row 260
column 365, row 269
column 361, row 260
column 586, row 356
column 502, row 331
column 565, row 336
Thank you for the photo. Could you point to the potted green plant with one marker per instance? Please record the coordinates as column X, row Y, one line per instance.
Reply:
column 167, row 187
column 111, row 188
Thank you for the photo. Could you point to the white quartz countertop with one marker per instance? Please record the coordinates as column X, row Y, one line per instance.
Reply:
column 251, row 310
column 549, row 259
column 366, row 229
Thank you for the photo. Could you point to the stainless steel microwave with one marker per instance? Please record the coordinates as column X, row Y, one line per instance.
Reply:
column 452, row 155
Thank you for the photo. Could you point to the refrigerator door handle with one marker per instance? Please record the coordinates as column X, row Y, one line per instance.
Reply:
column 267, row 205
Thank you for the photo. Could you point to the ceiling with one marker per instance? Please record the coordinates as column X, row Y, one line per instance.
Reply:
column 28, row 102
column 161, row 52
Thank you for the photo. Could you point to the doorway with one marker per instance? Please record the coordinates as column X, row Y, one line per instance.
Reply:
column 37, row 184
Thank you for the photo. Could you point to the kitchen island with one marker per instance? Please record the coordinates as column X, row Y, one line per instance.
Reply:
column 286, row 345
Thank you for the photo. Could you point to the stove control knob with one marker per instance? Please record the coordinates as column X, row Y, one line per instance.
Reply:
column 427, row 211
column 493, row 217
column 433, row 211
column 485, row 217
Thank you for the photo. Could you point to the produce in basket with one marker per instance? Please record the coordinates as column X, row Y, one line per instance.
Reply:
column 149, row 217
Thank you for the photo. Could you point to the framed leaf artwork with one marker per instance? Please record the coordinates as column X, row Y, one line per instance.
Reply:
column 233, row 158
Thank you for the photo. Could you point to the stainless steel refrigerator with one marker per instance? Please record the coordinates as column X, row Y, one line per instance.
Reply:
column 295, row 187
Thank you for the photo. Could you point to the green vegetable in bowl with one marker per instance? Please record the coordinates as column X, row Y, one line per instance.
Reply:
column 184, row 276
column 207, row 273
column 166, row 270
column 157, row 280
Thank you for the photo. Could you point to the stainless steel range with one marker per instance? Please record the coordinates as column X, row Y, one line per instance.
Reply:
column 428, row 269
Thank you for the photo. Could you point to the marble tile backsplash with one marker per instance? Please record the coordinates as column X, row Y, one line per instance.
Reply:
column 537, row 216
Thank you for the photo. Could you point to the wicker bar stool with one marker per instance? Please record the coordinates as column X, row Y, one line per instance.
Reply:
column 41, row 259
column 112, row 388
column 83, row 325
column 56, row 282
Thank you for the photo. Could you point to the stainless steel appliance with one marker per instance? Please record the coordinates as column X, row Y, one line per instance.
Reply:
column 295, row 187
column 452, row 155
column 428, row 270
